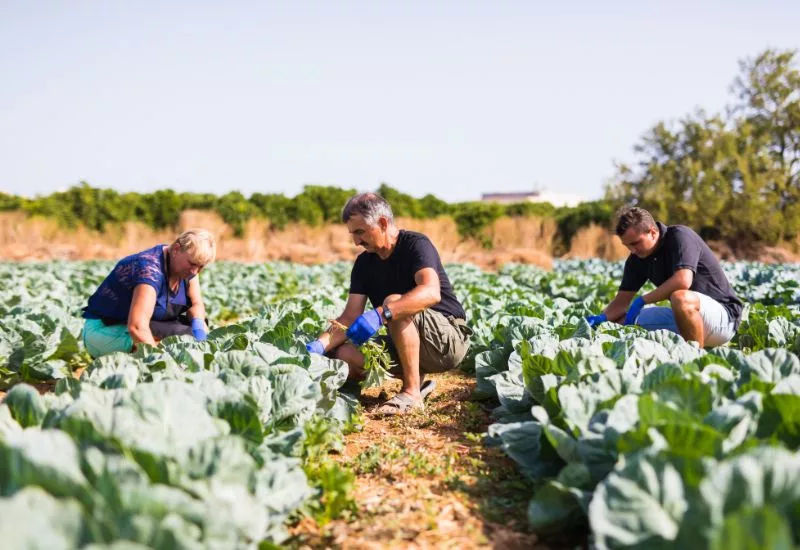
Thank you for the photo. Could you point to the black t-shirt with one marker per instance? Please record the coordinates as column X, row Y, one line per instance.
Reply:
column 681, row 248
column 377, row 278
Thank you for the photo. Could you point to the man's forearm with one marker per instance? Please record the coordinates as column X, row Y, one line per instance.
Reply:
column 334, row 336
column 615, row 311
column 414, row 301
column 678, row 281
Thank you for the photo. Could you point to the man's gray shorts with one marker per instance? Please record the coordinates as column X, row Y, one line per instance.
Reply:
column 443, row 343
column 717, row 326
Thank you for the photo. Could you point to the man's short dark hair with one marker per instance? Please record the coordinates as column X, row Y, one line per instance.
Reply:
column 633, row 216
column 370, row 206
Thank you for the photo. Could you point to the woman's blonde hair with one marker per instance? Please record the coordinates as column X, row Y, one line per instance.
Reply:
column 199, row 244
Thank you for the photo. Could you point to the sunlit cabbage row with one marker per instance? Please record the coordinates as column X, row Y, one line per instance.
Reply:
column 647, row 440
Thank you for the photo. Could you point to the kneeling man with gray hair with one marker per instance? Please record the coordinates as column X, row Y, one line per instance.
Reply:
column 402, row 276
column 704, row 307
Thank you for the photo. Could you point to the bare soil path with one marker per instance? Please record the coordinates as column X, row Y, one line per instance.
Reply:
column 425, row 480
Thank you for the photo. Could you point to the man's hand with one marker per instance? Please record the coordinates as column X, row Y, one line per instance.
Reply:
column 634, row 310
column 365, row 327
column 596, row 320
column 199, row 329
column 316, row 347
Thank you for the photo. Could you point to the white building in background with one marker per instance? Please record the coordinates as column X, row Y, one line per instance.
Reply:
column 556, row 199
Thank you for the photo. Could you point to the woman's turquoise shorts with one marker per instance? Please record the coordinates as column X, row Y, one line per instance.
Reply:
column 101, row 339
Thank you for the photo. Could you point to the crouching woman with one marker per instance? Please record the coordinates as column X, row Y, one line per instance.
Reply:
column 150, row 295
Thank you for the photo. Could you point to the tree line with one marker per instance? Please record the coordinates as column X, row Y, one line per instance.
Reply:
column 733, row 176
column 96, row 208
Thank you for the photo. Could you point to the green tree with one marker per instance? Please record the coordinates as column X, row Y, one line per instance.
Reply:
column 275, row 207
column 473, row 217
column 733, row 177
column 433, row 207
column 235, row 210
column 329, row 201
column 139, row 207
column 165, row 207
column 529, row 208
column 570, row 220
column 306, row 210
column 768, row 90
column 403, row 205
column 9, row 203
column 199, row 201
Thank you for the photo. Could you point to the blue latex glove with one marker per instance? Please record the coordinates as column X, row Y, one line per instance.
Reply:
column 634, row 310
column 365, row 327
column 199, row 329
column 316, row 347
column 596, row 320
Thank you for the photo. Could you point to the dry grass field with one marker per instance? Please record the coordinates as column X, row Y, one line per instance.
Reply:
column 521, row 240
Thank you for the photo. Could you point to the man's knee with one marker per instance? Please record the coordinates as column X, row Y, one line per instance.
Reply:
column 405, row 326
column 349, row 354
column 398, row 325
column 685, row 301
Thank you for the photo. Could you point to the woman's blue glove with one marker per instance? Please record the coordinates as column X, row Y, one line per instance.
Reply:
column 365, row 327
column 316, row 347
column 199, row 329
column 634, row 310
column 596, row 320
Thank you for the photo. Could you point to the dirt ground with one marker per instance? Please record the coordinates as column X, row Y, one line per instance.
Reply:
column 426, row 480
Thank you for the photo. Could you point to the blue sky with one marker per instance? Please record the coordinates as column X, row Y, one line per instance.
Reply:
column 444, row 97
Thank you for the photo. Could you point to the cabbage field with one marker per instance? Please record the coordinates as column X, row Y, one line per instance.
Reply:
column 640, row 438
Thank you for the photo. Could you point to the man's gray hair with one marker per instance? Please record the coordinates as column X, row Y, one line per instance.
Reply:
column 369, row 206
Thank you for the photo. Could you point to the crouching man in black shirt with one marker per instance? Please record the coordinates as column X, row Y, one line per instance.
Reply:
column 704, row 307
column 402, row 276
